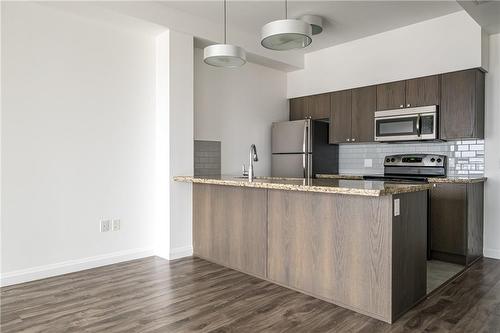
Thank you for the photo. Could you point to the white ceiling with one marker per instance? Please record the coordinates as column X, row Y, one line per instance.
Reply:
column 486, row 13
column 343, row 20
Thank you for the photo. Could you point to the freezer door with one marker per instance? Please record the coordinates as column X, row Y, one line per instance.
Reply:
column 291, row 165
column 291, row 137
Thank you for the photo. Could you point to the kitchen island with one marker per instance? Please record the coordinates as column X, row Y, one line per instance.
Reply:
column 358, row 244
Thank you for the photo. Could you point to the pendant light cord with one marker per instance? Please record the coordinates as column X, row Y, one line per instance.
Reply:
column 286, row 10
column 225, row 23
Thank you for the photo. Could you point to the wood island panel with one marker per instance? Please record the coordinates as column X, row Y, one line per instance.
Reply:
column 409, row 252
column 334, row 246
column 230, row 226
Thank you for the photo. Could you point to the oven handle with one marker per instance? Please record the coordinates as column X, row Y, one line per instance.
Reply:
column 418, row 124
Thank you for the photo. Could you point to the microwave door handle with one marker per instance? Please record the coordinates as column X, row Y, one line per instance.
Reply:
column 418, row 124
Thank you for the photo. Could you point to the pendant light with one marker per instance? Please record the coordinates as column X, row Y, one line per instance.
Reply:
column 224, row 55
column 286, row 34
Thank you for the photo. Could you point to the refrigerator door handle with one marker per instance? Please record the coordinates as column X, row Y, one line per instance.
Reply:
column 304, row 165
column 305, row 147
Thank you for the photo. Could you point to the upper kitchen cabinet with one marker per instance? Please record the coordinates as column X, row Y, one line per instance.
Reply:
column 391, row 95
column 352, row 115
column 318, row 106
column 422, row 91
column 298, row 108
column 340, row 118
column 462, row 105
column 364, row 102
column 409, row 93
column 314, row 107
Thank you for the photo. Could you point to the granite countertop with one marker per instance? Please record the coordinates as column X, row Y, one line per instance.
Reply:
column 432, row 180
column 323, row 185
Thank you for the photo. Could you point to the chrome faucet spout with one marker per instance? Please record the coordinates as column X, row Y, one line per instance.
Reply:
column 253, row 158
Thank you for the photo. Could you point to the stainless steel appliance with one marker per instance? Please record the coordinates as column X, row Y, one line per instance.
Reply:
column 412, row 167
column 300, row 149
column 410, row 124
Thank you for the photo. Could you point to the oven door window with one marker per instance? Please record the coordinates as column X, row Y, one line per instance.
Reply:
column 397, row 126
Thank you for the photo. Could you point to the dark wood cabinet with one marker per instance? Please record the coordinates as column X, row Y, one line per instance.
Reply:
column 297, row 108
column 364, row 102
column 456, row 222
column 340, row 118
column 423, row 91
column 459, row 95
column 462, row 105
column 314, row 107
column 318, row 106
column 391, row 95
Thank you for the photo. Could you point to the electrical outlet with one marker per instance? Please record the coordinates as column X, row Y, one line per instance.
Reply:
column 396, row 207
column 105, row 225
column 116, row 225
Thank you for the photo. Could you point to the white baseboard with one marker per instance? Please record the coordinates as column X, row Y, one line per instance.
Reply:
column 70, row 266
column 180, row 252
column 491, row 253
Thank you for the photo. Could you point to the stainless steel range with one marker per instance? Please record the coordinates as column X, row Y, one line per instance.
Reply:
column 412, row 167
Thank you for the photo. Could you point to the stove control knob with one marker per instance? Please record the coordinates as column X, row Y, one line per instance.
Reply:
column 393, row 159
column 439, row 160
column 433, row 160
column 387, row 160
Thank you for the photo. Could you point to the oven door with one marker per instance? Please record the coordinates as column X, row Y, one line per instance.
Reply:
column 405, row 127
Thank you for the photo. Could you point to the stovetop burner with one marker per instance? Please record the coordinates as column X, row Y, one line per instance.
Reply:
column 414, row 168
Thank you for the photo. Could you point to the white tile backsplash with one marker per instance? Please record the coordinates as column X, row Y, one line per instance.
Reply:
column 465, row 157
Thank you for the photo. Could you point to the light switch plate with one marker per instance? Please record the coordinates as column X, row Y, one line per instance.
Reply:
column 396, row 207
column 368, row 163
column 116, row 225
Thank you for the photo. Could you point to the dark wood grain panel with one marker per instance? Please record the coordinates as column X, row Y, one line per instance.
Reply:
column 448, row 218
column 391, row 95
column 423, row 91
column 475, row 221
column 318, row 106
column 297, row 108
column 363, row 106
column 409, row 252
column 334, row 246
column 462, row 105
column 230, row 226
column 340, row 118
column 480, row 105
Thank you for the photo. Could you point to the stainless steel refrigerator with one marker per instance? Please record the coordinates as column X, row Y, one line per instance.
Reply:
column 300, row 149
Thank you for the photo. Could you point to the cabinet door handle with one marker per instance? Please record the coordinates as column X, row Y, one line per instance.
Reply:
column 353, row 140
column 401, row 106
column 408, row 105
column 348, row 140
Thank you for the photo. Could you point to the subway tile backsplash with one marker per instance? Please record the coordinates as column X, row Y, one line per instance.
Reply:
column 465, row 157
column 207, row 158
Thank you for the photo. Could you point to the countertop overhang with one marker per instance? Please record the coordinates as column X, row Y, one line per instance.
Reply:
column 371, row 188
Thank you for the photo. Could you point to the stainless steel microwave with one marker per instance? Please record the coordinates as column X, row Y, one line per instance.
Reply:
column 409, row 124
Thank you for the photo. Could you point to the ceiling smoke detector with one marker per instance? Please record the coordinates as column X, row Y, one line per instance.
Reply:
column 315, row 21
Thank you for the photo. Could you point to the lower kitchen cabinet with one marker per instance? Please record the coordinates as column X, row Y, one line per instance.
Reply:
column 456, row 222
column 230, row 226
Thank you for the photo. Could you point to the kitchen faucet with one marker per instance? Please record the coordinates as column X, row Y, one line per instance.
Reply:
column 253, row 158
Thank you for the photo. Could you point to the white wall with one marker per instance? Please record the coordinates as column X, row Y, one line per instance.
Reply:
column 181, row 157
column 78, row 135
column 443, row 44
column 492, row 153
column 237, row 107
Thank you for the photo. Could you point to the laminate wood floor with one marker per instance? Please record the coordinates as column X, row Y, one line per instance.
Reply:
column 193, row 295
